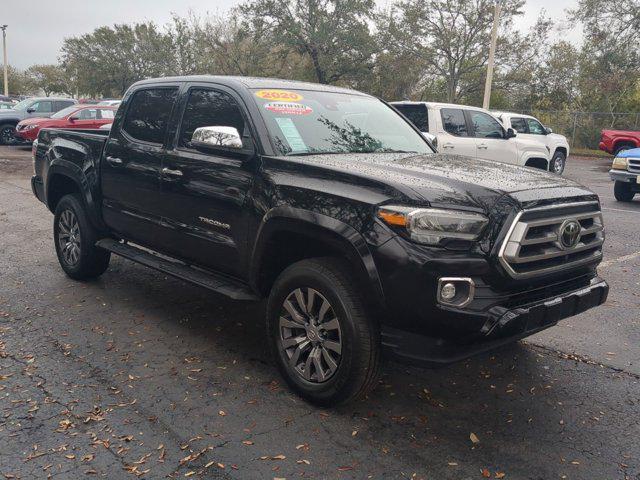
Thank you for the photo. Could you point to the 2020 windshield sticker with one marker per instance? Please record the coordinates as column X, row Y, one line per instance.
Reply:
column 290, row 132
column 288, row 108
column 283, row 95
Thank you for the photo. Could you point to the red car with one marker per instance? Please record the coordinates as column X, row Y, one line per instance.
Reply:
column 90, row 117
column 614, row 141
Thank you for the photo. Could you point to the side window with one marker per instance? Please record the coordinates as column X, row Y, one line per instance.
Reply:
column 88, row 114
column 43, row 106
column 417, row 114
column 519, row 125
column 104, row 113
column 60, row 104
column 485, row 126
column 209, row 108
column 148, row 114
column 535, row 127
column 454, row 122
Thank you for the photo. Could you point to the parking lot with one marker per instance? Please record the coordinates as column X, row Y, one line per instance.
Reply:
column 136, row 374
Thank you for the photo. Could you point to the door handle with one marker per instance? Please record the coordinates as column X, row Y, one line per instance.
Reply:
column 447, row 145
column 482, row 146
column 114, row 160
column 173, row 173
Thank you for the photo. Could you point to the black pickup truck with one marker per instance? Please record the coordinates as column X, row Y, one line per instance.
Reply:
column 331, row 205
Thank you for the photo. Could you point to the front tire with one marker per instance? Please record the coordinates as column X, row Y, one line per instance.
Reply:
column 75, row 240
column 623, row 191
column 7, row 134
column 558, row 163
column 325, row 344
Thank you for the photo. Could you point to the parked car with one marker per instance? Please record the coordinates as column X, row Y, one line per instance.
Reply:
column 29, row 108
column 625, row 172
column 6, row 105
column 106, row 126
column 472, row 132
column 334, row 207
column 532, row 129
column 615, row 141
column 110, row 103
column 88, row 117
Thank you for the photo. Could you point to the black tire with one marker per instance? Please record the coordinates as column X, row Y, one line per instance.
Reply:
column 623, row 191
column 358, row 365
column 622, row 147
column 89, row 261
column 558, row 163
column 7, row 131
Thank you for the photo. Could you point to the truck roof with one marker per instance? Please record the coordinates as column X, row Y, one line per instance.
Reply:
column 437, row 105
column 252, row 82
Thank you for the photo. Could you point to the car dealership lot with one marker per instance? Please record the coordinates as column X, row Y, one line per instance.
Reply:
column 137, row 372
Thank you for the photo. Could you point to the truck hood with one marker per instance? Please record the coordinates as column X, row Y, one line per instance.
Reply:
column 42, row 121
column 445, row 179
column 631, row 153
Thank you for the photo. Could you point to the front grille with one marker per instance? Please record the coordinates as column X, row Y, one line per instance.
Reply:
column 534, row 244
column 634, row 165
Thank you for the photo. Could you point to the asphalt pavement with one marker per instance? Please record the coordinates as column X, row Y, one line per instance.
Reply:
column 140, row 375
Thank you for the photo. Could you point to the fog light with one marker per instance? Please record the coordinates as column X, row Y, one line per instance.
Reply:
column 448, row 291
column 455, row 291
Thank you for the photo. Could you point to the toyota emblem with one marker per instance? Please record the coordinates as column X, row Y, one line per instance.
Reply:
column 570, row 233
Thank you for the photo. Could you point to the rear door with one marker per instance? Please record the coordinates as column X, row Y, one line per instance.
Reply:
column 489, row 135
column 205, row 191
column 455, row 135
column 131, row 163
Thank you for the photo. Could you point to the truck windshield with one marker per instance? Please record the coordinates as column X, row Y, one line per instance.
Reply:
column 23, row 105
column 303, row 122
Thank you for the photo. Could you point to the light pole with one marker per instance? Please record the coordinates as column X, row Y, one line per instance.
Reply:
column 492, row 54
column 4, row 51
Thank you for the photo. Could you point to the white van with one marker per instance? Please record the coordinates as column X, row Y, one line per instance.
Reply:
column 473, row 132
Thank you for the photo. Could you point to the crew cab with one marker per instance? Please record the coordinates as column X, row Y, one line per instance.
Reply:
column 472, row 132
column 625, row 172
column 88, row 117
column 29, row 108
column 332, row 206
column 615, row 141
column 531, row 128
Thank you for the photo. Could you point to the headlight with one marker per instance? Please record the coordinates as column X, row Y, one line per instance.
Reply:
column 30, row 127
column 431, row 225
column 620, row 163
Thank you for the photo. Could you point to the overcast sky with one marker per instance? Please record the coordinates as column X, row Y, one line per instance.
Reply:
column 37, row 27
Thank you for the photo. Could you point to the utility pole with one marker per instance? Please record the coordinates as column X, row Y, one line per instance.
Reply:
column 4, row 50
column 492, row 54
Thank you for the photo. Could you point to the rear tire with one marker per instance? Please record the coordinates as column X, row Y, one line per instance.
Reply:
column 75, row 239
column 558, row 163
column 325, row 344
column 623, row 191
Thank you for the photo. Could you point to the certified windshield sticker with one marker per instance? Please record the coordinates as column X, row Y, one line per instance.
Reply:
column 282, row 95
column 290, row 132
column 288, row 108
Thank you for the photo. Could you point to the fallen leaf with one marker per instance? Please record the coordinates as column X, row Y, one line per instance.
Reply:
column 474, row 438
column 500, row 474
column 485, row 473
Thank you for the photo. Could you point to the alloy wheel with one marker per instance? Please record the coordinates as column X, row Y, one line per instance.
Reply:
column 6, row 136
column 310, row 335
column 558, row 165
column 69, row 237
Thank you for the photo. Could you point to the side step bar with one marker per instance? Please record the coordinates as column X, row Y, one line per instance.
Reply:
column 212, row 281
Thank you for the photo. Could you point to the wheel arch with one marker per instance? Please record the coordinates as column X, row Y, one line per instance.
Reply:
column 537, row 162
column 288, row 234
column 65, row 178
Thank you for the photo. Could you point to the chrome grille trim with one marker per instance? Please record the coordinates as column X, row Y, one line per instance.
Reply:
column 533, row 247
column 634, row 165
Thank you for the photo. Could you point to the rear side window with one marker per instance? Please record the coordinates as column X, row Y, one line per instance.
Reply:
column 60, row 104
column 148, row 114
column 417, row 114
column 519, row 124
column 209, row 108
column 454, row 122
column 104, row 113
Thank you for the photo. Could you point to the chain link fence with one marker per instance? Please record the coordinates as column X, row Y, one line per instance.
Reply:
column 582, row 129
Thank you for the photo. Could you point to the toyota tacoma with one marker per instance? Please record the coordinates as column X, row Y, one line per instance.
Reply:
column 333, row 207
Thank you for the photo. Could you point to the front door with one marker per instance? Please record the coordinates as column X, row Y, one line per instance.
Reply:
column 206, row 190
column 489, row 135
column 130, row 166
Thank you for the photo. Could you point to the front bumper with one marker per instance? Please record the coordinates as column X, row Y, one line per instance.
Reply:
column 502, row 326
column 624, row 176
column 26, row 135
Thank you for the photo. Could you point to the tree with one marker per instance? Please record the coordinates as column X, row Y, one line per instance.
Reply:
column 19, row 82
column 49, row 79
column 332, row 35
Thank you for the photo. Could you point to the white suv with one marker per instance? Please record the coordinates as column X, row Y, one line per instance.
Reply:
column 472, row 132
column 531, row 128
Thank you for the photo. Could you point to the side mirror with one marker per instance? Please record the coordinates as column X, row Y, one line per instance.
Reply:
column 216, row 136
column 510, row 133
column 432, row 138
column 548, row 130
column 73, row 119
column 31, row 110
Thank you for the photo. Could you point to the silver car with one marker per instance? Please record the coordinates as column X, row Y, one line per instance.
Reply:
column 29, row 108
